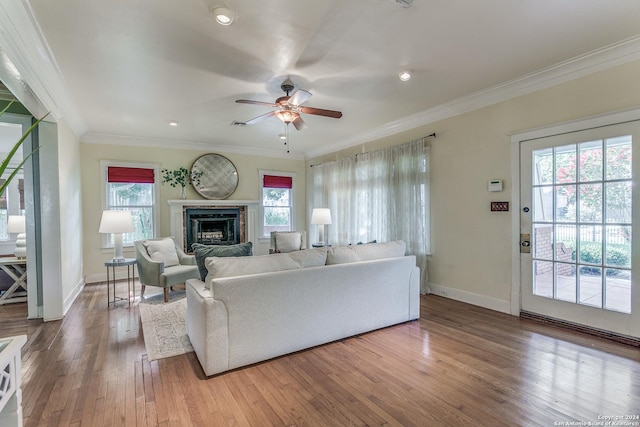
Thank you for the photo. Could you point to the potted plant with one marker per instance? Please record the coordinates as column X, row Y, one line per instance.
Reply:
column 180, row 177
column 7, row 160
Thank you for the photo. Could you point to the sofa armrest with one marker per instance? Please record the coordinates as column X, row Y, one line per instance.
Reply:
column 149, row 270
column 184, row 258
column 187, row 259
column 207, row 327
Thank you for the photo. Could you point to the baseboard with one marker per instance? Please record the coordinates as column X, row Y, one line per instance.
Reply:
column 471, row 298
column 72, row 296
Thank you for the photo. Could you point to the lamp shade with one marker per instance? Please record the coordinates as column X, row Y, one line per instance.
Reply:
column 116, row 222
column 15, row 224
column 321, row 216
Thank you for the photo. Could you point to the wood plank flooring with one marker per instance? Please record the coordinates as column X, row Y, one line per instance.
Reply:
column 459, row 365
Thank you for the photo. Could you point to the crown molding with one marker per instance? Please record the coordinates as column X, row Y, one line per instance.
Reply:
column 131, row 141
column 31, row 61
column 610, row 56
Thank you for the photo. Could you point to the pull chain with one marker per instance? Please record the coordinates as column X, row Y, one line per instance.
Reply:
column 286, row 136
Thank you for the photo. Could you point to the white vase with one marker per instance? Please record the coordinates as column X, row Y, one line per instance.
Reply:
column 183, row 193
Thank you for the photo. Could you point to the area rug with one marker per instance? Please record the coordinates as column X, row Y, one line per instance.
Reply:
column 164, row 327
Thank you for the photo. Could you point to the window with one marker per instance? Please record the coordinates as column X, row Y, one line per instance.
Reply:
column 381, row 195
column 11, row 203
column 277, row 202
column 131, row 187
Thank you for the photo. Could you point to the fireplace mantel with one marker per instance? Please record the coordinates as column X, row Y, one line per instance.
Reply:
column 177, row 207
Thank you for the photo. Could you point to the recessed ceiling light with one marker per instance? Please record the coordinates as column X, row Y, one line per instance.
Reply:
column 223, row 15
column 404, row 75
column 173, row 123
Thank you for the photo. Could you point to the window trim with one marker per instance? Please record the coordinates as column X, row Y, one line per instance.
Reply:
column 292, row 175
column 104, row 165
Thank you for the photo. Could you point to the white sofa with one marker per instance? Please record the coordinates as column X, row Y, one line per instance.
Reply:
column 243, row 319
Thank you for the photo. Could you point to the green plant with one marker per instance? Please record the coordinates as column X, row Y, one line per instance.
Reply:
column 175, row 177
column 7, row 160
column 180, row 177
column 618, row 255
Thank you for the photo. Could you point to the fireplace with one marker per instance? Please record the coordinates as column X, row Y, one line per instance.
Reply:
column 212, row 226
column 179, row 226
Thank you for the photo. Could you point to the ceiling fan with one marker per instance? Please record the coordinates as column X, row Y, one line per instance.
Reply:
column 289, row 108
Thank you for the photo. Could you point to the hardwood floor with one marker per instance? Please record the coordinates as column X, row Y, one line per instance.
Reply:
column 459, row 365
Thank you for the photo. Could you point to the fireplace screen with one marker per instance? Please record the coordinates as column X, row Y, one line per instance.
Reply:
column 212, row 226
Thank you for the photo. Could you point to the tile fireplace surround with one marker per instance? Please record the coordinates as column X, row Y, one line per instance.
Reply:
column 177, row 210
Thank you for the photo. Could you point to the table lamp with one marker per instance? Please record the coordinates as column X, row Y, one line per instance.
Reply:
column 116, row 222
column 321, row 217
column 16, row 224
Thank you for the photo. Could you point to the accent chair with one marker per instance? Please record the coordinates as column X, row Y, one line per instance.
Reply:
column 163, row 263
column 287, row 241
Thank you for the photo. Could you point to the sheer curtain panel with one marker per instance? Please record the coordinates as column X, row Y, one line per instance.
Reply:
column 382, row 195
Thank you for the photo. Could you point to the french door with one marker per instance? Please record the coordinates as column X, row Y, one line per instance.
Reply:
column 579, row 226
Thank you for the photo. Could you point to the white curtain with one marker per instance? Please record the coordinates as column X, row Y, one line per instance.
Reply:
column 382, row 196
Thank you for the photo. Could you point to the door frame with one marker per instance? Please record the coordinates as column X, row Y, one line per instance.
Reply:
column 517, row 138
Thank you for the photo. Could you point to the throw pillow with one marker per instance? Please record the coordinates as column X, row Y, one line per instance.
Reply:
column 163, row 250
column 288, row 242
column 202, row 252
column 355, row 253
column 310, row 257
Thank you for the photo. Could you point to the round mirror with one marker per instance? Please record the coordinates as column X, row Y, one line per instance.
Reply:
column 214, row 176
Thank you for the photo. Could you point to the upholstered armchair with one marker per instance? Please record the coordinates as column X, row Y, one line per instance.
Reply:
column 287, row 241
column 163, row 263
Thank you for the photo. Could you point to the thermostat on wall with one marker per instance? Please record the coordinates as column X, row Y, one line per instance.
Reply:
column 495, row 185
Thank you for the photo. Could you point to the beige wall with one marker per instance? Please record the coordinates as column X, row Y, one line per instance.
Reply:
column 471, row 246
column 70, row 214
column 248, row 189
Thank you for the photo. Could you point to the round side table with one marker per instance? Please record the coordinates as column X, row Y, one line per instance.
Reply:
column 130, row 263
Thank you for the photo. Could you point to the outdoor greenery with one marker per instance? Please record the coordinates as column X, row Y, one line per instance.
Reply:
column 617, row 255
column 586, row 163
column 274, row 215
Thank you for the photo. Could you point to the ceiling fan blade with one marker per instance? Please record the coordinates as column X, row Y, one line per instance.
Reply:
column 320, row 112
column 299, row 123
column 299, row 97
column 249, row 101
column 260, row 118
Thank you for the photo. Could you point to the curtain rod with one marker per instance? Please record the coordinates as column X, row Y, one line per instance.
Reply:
column 432, row 135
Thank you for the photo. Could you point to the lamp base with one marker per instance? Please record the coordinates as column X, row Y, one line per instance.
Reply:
column 21, row 246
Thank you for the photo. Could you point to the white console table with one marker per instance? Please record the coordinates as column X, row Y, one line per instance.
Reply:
column 10, row 378
column 16, row 269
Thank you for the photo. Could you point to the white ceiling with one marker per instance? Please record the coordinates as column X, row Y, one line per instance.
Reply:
column 128, row 67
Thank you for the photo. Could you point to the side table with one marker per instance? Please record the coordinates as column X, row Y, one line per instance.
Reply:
column 130, row 263
column 16, row 268
column 10, row 386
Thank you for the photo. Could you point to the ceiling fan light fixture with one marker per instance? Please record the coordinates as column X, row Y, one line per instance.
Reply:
column 223, row 15
column 287, row 116
column 282, row 136
column 404, row 75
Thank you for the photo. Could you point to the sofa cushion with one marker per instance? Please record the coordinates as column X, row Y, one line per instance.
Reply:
column 240, row 266
column 288, row 242
column 368, row 252
column 162, row 250
column 202, row 252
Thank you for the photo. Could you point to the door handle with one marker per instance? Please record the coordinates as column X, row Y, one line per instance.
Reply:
column 525, row 243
